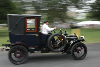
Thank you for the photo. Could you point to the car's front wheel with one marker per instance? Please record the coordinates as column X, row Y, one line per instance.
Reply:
column 79, row 51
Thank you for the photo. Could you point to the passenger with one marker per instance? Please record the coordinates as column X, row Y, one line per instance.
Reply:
column 45, row 32
column 45, row 29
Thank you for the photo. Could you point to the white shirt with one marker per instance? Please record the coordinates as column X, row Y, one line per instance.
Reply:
column 45, row 29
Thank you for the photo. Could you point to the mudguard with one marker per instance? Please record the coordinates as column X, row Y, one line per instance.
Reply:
column 75, row 41
column 13, row 44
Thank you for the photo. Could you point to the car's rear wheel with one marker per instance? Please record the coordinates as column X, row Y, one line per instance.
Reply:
column 18, row 54
column 79, row 51
column 56, row 42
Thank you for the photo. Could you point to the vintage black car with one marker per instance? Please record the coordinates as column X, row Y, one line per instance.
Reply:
column 25, row 36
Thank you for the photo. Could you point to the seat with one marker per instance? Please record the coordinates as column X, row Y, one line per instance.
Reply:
column 44, row 39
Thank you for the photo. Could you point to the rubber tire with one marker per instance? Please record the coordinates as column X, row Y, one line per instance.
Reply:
column 72, row 51
column 9, row 54
column 49, row 40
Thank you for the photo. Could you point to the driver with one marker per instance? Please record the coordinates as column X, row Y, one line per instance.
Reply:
column 45, row 29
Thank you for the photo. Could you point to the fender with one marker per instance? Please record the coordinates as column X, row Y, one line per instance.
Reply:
column 20, row 43
column 75, row 41
column 16, row 43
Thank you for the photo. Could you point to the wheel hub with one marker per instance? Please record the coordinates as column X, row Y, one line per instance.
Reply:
column 18, row 54
column 79, row 51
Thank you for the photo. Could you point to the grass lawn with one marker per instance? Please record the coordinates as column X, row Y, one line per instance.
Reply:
column 91, row 35
column 4, row 36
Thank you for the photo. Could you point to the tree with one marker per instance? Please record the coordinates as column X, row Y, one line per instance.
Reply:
column 55, row 9
column 7, row 7
column 94, row 13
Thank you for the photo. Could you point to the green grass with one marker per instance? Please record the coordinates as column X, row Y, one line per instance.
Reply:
column 91, row 35
column 4, row 36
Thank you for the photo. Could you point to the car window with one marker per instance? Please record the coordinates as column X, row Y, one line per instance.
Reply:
column 30, row 24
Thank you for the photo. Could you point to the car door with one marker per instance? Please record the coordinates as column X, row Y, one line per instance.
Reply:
column 31, row 32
